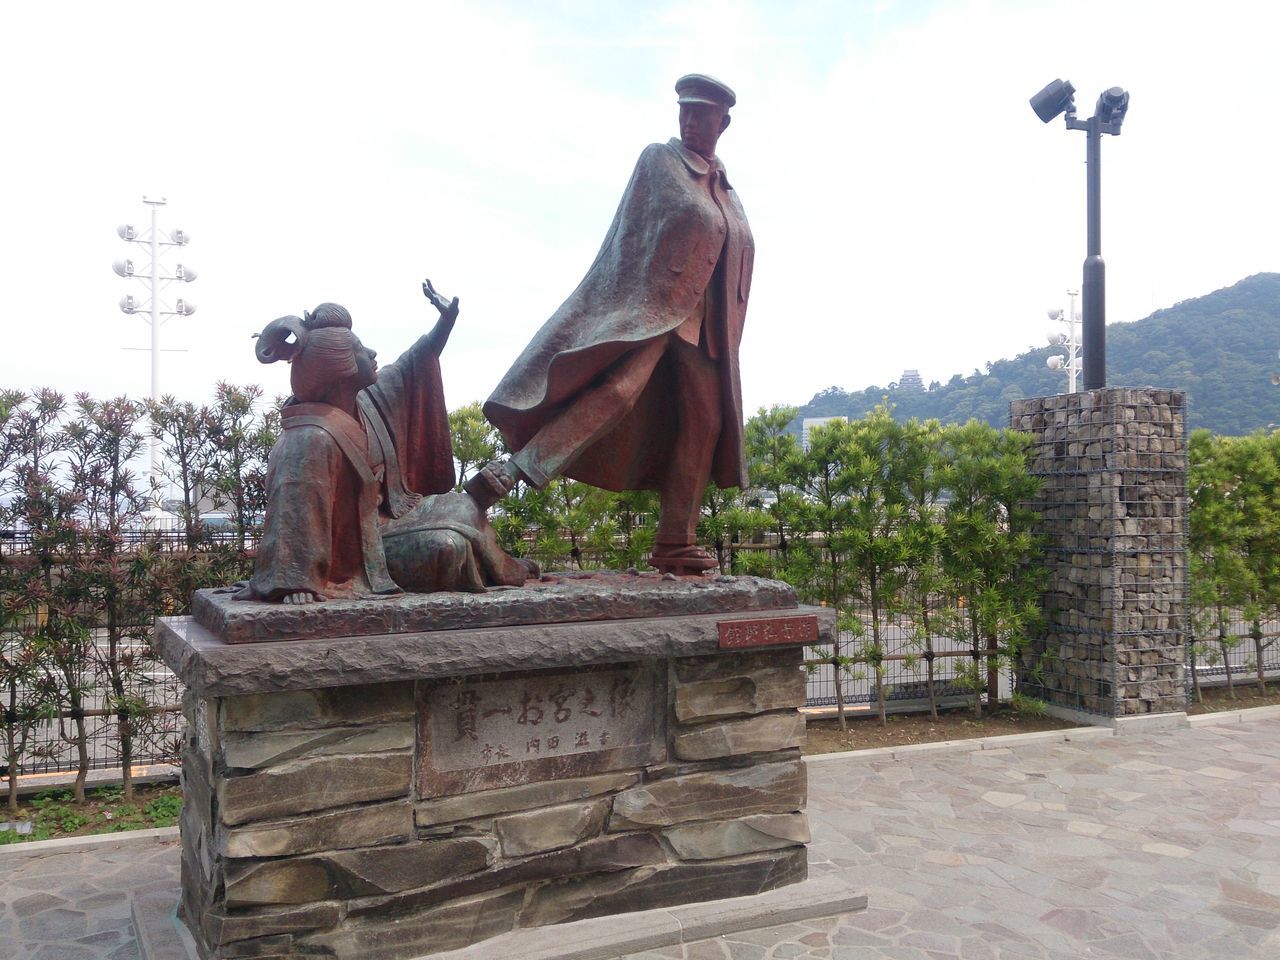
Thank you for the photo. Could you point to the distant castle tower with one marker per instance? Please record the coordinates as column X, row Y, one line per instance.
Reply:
column 911, row 382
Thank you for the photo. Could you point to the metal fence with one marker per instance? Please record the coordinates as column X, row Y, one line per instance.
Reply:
column 166, row 533
column 905, row 669
column 40, row 645
column 906, row 672
column 52, row 746
column 1233, row 657
column 905, row 666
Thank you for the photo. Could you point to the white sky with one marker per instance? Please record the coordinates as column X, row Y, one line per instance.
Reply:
column 909, row 209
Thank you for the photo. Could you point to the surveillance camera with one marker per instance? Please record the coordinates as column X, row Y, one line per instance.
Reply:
column 1112, row 105
column 1053, row 99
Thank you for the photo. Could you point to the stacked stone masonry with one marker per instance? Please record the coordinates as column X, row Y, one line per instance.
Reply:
column 308, row 832
column 1113, row 515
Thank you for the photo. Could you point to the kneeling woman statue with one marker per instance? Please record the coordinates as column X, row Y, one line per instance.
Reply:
column 360, row 498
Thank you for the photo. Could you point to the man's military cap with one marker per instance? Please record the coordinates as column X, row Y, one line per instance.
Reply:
column 699, row 88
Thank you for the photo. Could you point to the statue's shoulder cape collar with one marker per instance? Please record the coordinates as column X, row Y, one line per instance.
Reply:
column 698, row 165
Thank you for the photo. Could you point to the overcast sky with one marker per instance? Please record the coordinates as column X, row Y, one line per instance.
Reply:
column 909, row 209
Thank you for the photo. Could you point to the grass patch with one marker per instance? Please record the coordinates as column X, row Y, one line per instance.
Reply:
column 54, row 813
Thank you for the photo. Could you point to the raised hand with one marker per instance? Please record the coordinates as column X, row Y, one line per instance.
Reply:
column 448, row 309
column 439, row 335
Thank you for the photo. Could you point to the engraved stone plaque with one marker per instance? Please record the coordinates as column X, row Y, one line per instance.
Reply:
column 496, row 731
column 768, row 632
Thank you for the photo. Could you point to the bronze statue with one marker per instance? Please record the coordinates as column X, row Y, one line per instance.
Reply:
column 633, row 383
column 360, row 483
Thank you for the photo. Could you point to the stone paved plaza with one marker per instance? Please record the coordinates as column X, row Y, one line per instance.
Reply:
column 1164, row 845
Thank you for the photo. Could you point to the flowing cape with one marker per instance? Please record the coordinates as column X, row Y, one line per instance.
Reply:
column 678, row 218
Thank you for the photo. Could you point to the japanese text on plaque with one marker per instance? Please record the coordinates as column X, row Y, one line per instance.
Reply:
column 476, row 724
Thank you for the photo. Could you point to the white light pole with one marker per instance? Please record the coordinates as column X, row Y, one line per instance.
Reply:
column 157, row 242
column 1071, row 340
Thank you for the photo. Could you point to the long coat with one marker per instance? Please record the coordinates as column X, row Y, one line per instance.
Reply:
column 678, row 219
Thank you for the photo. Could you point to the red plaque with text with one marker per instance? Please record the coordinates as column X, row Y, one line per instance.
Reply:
column 768, row 632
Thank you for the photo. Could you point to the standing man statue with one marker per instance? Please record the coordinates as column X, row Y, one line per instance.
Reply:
column 633, row 383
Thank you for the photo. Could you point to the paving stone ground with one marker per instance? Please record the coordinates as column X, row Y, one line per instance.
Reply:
column 1162, row 846
column 76, row 905
column 1129, row 847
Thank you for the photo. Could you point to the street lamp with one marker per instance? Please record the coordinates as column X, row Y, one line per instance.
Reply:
column 1056, row 98
column 157, row 242
column 1071, row 340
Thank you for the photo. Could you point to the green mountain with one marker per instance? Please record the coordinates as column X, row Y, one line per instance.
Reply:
column 1220, row 348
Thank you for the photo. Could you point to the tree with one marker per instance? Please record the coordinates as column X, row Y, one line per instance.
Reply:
column 1234, row 536
column 241, row 435
column 874, row 477
column 632, row 517
column 721, row 523
column 989, row 551
column 773, row 458
column 189, row 461
column 27, row 698
column 920, row 452
column 820, row 566
column 475, row 442
column 579, row 509
column 553, row 525
column 112, row 581
column 515, row 515
column 1255, row 461
column 50, row 602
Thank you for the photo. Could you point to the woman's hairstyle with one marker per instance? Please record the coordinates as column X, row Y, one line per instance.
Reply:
column 327, row 315
column 327, row 355
column 320, row 348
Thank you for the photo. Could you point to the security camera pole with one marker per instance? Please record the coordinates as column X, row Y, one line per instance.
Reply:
column 1059, row 97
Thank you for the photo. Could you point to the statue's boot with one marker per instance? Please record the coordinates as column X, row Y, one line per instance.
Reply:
column 682, row 560
column 493, row 482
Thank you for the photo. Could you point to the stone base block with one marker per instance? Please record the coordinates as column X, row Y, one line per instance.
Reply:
column 161, row 936
column 497, row 779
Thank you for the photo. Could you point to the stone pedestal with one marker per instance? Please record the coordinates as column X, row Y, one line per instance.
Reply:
column 385, row 795
column 1114, row 513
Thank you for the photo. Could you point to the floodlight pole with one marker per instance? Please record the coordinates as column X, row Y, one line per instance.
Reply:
column 155, row 320
column 155, row 280
column 1107, row 118
column 155, row 206
column 1094, row 288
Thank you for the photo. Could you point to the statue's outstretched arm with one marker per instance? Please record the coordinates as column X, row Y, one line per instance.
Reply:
column 448, row 309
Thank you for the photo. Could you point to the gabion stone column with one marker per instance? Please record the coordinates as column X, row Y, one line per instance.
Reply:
column 1114, row 513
